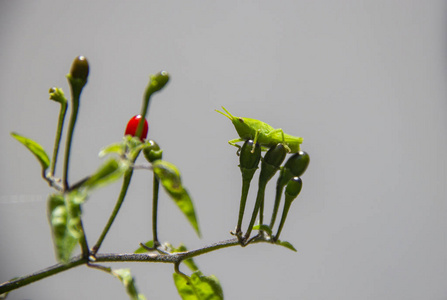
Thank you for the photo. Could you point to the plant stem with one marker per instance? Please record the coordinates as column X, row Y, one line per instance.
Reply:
column 60, row 126
column 27, row 279
column 261, row 211
column 126, row 181
column 144, row 108
column 156, row 187
column 174, row 258
column 244, row 194
column 283, row 219
column 279, row 189
column 74, row 114
column 259, row 200
column 83, row 242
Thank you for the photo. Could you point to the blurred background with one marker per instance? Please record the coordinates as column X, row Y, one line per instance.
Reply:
column 363, row 82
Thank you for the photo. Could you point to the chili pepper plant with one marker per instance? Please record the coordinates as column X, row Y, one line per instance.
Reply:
column 65, row 203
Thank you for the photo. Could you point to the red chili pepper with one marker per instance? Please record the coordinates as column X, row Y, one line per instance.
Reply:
column 132, row 126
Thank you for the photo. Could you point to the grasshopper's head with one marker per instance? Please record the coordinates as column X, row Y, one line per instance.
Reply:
column 242, row 127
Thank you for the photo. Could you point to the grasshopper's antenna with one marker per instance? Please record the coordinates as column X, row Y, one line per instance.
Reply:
column 228, row 115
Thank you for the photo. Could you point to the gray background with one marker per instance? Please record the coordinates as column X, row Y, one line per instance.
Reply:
column 364, row 82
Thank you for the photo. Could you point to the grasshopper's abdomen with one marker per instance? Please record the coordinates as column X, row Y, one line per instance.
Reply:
column 293, row 142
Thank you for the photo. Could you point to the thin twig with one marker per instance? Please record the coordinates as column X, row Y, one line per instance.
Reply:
column 173, row 258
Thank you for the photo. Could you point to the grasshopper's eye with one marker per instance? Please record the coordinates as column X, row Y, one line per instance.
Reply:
column 241, row 120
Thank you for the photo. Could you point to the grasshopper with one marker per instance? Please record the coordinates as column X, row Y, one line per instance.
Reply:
column 262, row 133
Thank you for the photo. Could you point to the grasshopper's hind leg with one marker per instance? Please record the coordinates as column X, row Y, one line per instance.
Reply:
column 284, row 142
column 279, row 130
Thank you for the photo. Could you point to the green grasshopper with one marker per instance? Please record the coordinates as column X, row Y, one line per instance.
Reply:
column 262, row 133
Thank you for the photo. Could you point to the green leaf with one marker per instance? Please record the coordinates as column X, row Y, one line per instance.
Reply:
column 64, row 217
column 169, row 176
column 188, row 262
column 110, row 171
column 287, row 245
column 263, row 227
column 113, row 148
column 149, row 244
column 35, row 148
column 128, row 281
column 184, row 203
column 199, row 287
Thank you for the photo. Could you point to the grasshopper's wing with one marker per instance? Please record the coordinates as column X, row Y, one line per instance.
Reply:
column 291, row 142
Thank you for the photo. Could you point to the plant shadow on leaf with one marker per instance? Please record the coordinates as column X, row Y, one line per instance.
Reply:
column 64, row 216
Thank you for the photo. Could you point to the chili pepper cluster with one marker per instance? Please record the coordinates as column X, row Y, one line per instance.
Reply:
column 289, row 177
